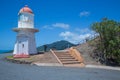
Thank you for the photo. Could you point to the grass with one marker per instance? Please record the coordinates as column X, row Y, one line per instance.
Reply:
column 10, row 57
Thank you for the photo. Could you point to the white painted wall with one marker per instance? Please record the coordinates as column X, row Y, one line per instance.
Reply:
column 25, row 43
column 25, row 20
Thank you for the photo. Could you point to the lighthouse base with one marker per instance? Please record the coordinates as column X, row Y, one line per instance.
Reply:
column 25, row 43
column 21, row 55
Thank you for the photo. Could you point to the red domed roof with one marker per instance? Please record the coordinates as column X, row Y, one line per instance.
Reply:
column 26, row 9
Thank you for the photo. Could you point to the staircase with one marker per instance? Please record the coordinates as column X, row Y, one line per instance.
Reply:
column 66, row 59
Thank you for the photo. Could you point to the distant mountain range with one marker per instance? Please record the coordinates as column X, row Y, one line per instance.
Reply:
column 58, row 45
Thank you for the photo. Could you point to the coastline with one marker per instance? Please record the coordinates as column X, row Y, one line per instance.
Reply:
column 5, row 51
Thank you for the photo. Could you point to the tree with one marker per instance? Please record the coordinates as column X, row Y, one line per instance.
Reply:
column 109, row 39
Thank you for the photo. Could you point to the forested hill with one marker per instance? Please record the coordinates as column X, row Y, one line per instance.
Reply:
column 58, row 45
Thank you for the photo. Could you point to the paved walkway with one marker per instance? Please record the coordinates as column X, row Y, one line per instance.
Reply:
column 12, row 71
column 103, row 67
column 87, row 66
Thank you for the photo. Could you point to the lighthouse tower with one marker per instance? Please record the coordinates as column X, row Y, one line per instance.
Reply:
column 25, row 41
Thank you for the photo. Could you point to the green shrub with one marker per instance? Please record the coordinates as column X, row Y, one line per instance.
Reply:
column 109, row 43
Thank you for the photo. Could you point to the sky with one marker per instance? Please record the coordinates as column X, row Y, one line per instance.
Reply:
column 56, row 19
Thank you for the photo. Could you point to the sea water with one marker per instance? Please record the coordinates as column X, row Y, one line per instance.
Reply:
column 3, row 51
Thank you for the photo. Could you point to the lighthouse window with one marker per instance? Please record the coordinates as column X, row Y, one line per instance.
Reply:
column 23, row 45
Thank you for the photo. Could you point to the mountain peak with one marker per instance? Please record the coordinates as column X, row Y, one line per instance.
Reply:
column 58, row 45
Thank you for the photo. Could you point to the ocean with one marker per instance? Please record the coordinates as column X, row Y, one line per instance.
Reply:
column 4, row 51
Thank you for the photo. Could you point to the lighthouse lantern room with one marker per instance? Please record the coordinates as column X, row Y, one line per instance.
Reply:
column 25, row 40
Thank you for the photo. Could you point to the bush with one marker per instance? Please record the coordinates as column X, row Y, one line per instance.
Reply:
column 109, row 40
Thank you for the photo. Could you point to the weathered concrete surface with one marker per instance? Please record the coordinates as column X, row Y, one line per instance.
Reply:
column 103, row 67
column 46, row 57
column 12, row 71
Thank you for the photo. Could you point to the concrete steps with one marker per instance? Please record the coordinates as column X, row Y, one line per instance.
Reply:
column 71, row 62
column 66, row 59
column 71, row 59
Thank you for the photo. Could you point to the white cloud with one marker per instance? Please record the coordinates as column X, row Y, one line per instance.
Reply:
column 85, row 30
column 57, row 25
column 84, row 13
column 66, row 34
column 61, row 25
column 47, row 27
column 76, row 37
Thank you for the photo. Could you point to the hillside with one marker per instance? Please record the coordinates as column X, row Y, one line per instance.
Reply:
column 58, row 45
column 87, row 50
column 90, row 52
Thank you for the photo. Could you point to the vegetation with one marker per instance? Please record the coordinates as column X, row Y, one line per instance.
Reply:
column 108, row 45
column 9, row 57
column 59, row 45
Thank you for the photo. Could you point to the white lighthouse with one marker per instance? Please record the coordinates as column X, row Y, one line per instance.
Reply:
column 25, row 41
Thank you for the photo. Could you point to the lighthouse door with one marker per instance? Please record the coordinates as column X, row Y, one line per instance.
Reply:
column 23, row 45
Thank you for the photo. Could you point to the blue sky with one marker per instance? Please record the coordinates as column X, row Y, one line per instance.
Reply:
column 56, row 19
